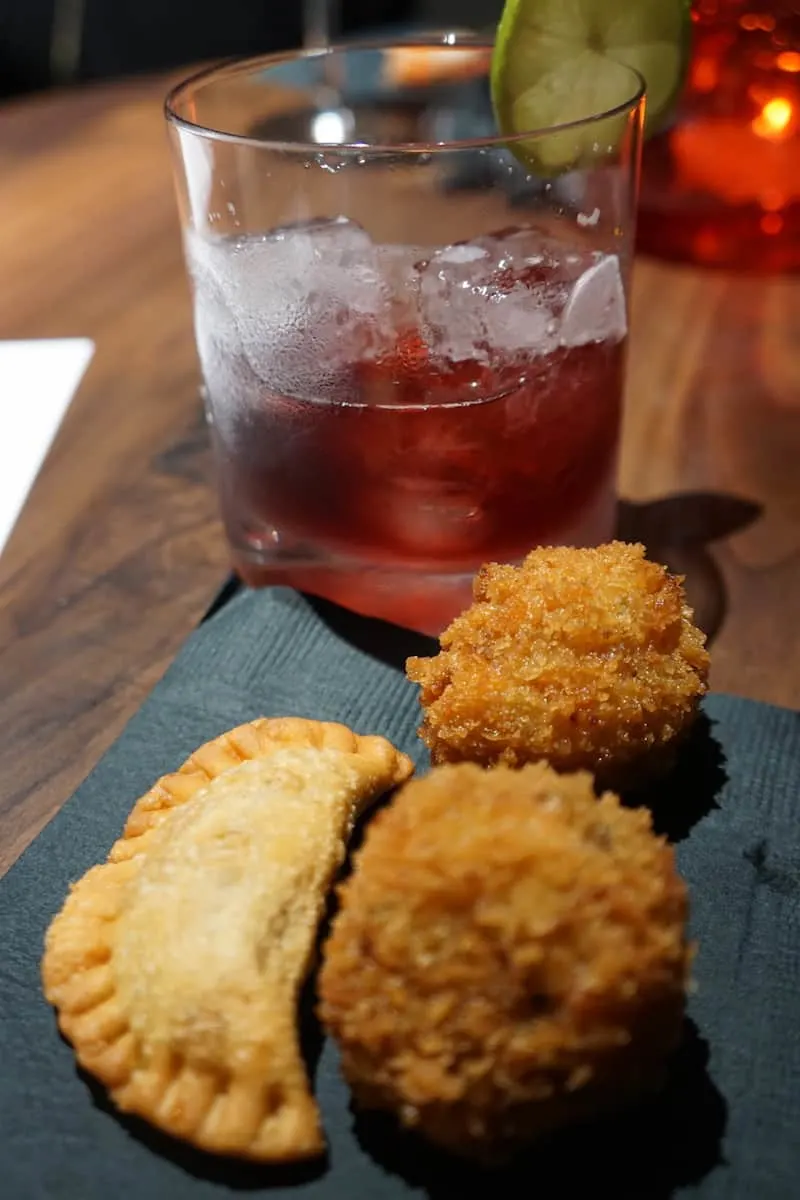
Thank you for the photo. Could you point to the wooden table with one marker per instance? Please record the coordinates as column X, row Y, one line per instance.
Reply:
column 120, row 550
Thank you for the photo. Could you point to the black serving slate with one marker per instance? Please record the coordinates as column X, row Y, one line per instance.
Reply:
column 726, row 1128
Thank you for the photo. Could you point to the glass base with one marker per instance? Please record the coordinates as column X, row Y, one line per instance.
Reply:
column 425, row 601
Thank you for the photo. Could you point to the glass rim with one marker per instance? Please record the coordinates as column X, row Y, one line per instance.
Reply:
column 238, row 65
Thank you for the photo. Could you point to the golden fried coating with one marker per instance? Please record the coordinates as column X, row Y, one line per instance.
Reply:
column 509, row 957
column 586, row 658
column 175, row 966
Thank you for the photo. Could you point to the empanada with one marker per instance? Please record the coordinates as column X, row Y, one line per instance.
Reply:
column 176, row 965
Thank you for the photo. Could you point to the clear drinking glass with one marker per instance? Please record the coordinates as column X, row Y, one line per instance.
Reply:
column 412, row 331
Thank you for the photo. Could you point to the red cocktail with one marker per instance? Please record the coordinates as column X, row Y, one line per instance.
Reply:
column 467, row 411
column 427, row 375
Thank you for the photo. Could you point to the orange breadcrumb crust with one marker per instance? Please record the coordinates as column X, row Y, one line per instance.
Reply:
column 586, row 658
column 509, row 956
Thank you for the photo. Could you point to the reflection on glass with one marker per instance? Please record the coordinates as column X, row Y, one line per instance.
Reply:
column 320, row 23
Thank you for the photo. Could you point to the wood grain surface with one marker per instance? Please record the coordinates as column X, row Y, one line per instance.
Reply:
column 119, row 549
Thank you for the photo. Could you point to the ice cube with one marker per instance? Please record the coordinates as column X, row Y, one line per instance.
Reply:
column 429, row 518
column 462, row 252
column 399, row 270
column 595, row 311
column 535, row 256
column 503, row 292
column 230, row 381
column 304, row 301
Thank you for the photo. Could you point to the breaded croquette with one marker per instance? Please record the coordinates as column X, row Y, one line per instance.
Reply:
column 509, row 957
column 586, row 658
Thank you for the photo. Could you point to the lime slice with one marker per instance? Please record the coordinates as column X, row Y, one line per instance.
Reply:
column 557, row 61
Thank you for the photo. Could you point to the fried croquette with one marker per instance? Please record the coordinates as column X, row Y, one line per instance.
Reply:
column 509, row 957
column 586, row 658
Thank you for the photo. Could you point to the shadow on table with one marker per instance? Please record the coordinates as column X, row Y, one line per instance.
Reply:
column 644, row 1154
column 678, row 531
column 389, row 644
column 691, row 790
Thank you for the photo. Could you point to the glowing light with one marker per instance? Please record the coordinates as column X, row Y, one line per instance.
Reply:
column 772, row 200
column 705, row 74
column 329, row 128
column 773, row 120
column 788, row 60
column 752, row 21
column 771, row 224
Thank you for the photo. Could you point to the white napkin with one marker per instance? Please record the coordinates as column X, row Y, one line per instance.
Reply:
column 37, row 381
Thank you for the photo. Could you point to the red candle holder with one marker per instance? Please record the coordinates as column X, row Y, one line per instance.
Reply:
column 721, row 185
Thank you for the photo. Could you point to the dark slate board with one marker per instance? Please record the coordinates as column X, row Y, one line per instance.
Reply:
column 726, row 1128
